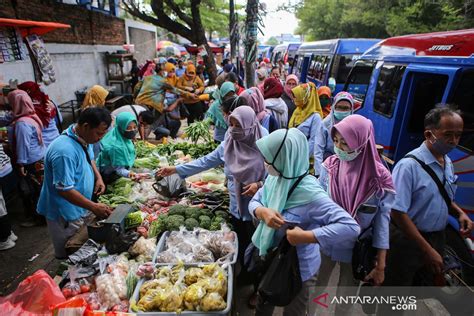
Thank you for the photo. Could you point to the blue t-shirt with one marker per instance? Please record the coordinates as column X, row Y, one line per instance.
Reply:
column 28, row 148
column 65, row 168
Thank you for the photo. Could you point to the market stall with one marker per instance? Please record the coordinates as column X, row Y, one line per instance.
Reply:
column 167, row 248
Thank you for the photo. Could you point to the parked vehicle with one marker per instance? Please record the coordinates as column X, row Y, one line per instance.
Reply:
column 395, row 83
column 321, row 60
column 285, row 52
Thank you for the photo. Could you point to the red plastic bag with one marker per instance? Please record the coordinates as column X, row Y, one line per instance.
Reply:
column 75, row 306
column 33, row 296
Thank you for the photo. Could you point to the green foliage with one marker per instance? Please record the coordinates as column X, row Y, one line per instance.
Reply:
column 200, row 129
column 272, row 41
column 324, row 19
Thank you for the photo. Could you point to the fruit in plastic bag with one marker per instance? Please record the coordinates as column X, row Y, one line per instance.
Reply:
column 193, row 296
column 212, row 302
column 148, row 301
column 172, row 299
column 193, row 275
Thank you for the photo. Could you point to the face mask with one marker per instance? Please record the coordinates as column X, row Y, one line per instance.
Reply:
column 344, row 155
column 237, row 133
column 340, row 115
column 271, row 170
column 130, row 134
column 441, row 146
column 324, row 102
column 165, row 74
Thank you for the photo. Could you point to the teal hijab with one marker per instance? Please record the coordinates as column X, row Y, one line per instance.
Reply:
column 291, row 164
column 215, row 112
column 118, row 151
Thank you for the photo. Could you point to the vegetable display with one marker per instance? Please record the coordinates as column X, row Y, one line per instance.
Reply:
column 179, row 289
column 118, row 193
column 200, row 129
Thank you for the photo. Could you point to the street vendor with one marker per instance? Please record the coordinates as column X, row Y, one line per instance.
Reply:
column 71, row 177
column 243, row 166
column 95, row 96
column 117, row 153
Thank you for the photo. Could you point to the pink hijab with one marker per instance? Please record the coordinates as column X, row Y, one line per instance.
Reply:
column 255, row 100
column 352, row 183
column 287, row 88
column 24, row 111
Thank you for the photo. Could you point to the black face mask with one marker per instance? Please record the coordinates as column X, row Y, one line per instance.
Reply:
column 130, row 134
column 276, row 155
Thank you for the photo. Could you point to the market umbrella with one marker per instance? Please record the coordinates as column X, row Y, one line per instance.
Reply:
column 163, row 44
column 169, row 51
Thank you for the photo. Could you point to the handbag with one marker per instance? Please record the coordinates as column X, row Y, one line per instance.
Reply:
column 282, row 282
column 363, row 255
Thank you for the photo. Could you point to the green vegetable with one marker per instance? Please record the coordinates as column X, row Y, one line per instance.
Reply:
column 200, row 129
column 215, row 226
column 206, row 212
column 147, row 162
column 222, row 214
column 178, row 209
column 173, row 222
column 204, row 221
column 133, row 220
column 191, row 223
column 157, row 226
column 118, row 192
column 192, row 212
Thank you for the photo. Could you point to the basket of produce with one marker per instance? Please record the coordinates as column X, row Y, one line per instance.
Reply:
column 197, row 246
column 185, row 289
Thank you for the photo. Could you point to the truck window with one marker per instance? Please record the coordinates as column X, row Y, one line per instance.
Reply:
column 344, row 65
column 388, row 84
column 463, row 97
column 358, row 81
column 319, row 67
column 429, row 90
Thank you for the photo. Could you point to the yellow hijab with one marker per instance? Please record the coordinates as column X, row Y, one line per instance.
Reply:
column 306, row 101
column 95, row 97
column 171, row 80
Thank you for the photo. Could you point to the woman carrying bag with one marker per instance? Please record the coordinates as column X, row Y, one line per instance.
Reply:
column 281, row 204
column 356, row 179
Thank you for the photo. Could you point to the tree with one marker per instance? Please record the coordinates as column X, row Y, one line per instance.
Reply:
column 187, row 18
column 272, row 41
column 324, row 19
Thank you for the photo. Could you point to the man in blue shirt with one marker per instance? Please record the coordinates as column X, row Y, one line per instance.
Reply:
column 420, row 214
column 71, row 177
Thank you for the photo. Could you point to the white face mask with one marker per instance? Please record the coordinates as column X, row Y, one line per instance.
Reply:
column 165, row 74
column 271, row 171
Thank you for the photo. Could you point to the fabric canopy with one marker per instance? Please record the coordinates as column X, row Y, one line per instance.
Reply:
column 194, row 50
column 32, row 27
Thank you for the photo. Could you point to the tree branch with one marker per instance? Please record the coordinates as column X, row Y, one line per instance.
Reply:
column 173, row 6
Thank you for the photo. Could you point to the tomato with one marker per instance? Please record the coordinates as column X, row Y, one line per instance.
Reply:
column 67, row 292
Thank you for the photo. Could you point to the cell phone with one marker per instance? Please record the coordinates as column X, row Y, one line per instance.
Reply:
column 290, row 224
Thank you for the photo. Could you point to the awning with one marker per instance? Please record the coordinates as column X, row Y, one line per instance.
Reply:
column 194, row 50
column 33, row 27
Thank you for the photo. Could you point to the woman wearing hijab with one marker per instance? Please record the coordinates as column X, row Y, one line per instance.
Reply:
column 25, row 136
column 45, row 110
column 272, row 92
column 95, row 97
column 356, row 179
column 287, row 96
column 117, row 154
column 324, row 93
column 191, row 83
column 226, row 90
column 307, row 118
column 255, row 100
column 171, row 77
column 319, row 220
column 342, row 107
column 243, row 166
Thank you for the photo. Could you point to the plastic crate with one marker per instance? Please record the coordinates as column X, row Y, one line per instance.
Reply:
column 162, row 243
column 226, row 311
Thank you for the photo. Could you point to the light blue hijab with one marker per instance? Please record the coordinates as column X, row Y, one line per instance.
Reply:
column 292, row 164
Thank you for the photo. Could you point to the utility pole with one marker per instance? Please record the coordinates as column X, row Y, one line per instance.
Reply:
column 232, row 29
column 250, row 41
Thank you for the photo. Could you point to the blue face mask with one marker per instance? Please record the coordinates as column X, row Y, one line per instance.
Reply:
column 344, row 155
column 340, row 115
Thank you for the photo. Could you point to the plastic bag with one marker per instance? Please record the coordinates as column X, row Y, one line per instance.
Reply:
column 72, row 288
column 118, row 241
column 86, row 255
column 171, row 186
column 143, row 246
column 33, row 296
column 72, row 307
